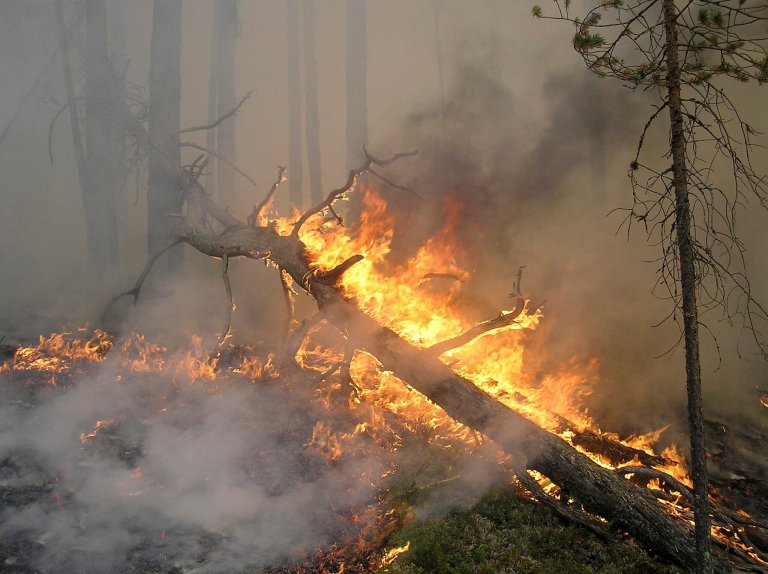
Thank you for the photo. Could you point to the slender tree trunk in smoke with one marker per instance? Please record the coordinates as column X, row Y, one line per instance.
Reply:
column 312, row 118
column 117, row 12
column 357, row 81
column 98, row 154
column 74, row 120
column 226, row 77
column 117, row 17
column 213, row 97
column 685, row 253
column 295, row 182
column 439, row 54
column 164, row 196
column 103, row 142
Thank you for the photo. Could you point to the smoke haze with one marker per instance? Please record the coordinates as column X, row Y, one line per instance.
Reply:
column 533, row 148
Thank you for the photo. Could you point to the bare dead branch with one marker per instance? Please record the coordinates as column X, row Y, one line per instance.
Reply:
column 253, row 218
column 517, row 286
column 613, row 450
column 221, row 159
column 230, row 300
column 447, row 276
column 140, row 281
column 354, row 174
column 391, row 183
column 210, row 126
column 331, row 276
column 502, row 320
column 28, row 95
column 295, row 339
column 288, row 296
column 568, row 513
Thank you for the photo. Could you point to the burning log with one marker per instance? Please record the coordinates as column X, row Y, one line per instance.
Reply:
column 606, row 496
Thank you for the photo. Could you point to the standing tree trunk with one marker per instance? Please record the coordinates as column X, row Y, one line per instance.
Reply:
column 164, row 185
column 688, row 284
column 357, row 82
column 439, row 55
column 226, row 77
column 117, row 11
column 213, row 98
column 295, row 183
column 98, row 155
column 312, row 119
column 74, row 120
column 103, row 142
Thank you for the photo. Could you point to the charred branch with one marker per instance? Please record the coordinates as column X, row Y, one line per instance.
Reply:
column 608, row 447
column 568, row 513
column 136, row 290
column 502, row 320
column 447, row 276
column 333, row 275
column 230, row 300
column 221, row 159
column 288, row 296
column 394, row 185
column 354, row 174
column 614, row 450
column 212, row 125
column 253, row 218
column 296, row 338
column 727, row 521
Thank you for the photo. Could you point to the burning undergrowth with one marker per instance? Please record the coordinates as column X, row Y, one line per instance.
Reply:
column 126, row 455
column 148, row 460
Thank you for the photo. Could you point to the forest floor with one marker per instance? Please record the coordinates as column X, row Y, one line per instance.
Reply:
column 433, row 506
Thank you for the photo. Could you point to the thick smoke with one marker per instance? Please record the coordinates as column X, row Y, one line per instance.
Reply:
column 210, row 476
column 532, row 149
column 554, row 202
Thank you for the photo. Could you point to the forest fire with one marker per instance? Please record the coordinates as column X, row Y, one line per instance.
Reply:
column 355, row 408
column 494, row 359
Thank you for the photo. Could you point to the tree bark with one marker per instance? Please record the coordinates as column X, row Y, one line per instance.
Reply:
column 164, row 184
column 685, row 253
column 103, row 142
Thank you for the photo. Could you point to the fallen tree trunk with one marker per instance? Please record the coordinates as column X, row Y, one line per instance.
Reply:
column 600, row 491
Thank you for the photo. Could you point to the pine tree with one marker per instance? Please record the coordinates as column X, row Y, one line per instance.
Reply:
column 682, row 54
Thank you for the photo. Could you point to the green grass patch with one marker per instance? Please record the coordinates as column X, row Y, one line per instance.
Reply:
column 505, row 533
